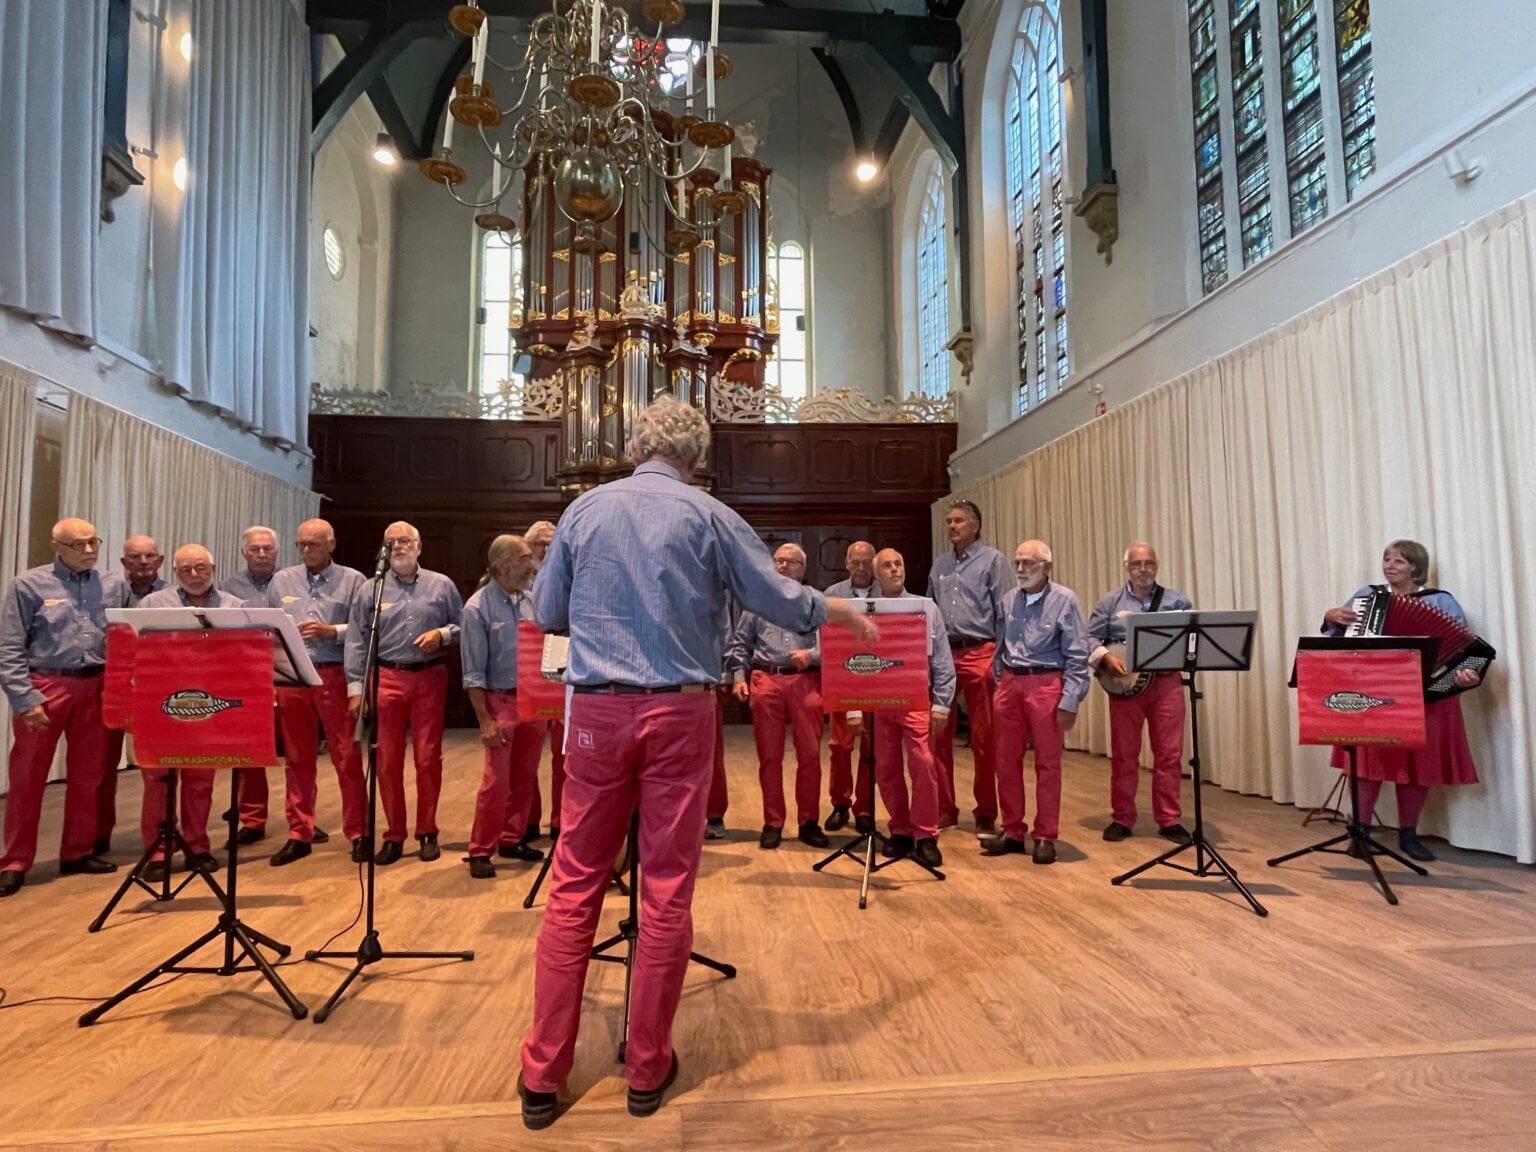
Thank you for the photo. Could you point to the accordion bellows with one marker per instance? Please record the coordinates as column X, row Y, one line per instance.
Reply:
column 1385, row 613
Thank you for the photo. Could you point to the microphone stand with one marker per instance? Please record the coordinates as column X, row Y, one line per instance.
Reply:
column 369, row 949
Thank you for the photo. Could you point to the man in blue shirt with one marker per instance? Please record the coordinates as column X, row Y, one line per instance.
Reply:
column 258, row 548
column 847, row 732
column 638, row 574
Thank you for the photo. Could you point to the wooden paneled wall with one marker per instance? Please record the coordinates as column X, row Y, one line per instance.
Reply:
column 463, row 482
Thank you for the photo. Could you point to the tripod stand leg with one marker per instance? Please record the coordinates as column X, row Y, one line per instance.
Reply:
column 726, row 970
column 538, row 881
column 1152, row 863
column 324, row 1011
column 122, row 890
column 247, row 940
column 1231, row 874
column 1381, row 879
column 149, row 977
column 1323, row 846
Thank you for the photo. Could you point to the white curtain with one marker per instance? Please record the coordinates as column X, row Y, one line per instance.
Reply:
column 18, row 431
column 232, row 249
column 126, row 476
column 52, row 80
column 1272, row 477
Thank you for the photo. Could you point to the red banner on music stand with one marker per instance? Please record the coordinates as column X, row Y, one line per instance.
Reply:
column 203, row 700
column 889, row 674
column 117, row 680
column 538, row 696
column 1360, row 697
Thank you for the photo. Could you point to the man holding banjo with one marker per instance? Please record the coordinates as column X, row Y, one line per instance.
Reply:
column 1150, row 698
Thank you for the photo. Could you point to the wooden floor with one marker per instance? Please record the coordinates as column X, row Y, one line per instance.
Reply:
column 1010, row 1006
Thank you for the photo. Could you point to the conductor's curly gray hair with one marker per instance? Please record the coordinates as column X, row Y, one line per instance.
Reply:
column 670, row 429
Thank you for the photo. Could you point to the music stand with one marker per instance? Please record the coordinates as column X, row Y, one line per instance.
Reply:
column 1362, row 844
column 241, row 942
column 1190, row 642
column 629, row 932
column 369, row 950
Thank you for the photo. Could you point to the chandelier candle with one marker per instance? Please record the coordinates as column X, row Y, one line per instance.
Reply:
column 481, row 38
column 596, row 21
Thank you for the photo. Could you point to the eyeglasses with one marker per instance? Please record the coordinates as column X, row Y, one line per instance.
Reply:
column 89, row 545
column 1030, row 563
column 142, row 556
column 194, row 569
column 400, row 541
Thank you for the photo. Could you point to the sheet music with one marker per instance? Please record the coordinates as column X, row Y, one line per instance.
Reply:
column 290, row 657
column 557, row 655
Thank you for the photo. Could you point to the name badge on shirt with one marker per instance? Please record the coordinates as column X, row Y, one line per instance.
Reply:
column 53, row 603
column 290, row 599
column 386, row 605
column 495, row 624
column 1124, row 612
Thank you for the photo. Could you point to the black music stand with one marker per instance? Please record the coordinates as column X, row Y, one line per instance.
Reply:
column 1361, row 844
column 369, row 950
column 1190, row 642
column 629, row 933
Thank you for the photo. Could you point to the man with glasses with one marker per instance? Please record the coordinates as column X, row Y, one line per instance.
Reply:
column 850, row 731
column 141, row 562
column 418, row 619
column 776, row 669
column 52, row 653
column 1042, row 677
column 258, row 548
column 318, row 594
column 1160, row 707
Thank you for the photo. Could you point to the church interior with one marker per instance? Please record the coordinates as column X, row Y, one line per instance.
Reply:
column 1248, row 282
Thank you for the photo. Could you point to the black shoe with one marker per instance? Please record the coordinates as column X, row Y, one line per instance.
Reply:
column 154, row 872
column 539, row 1108
column 1177, row 833
column 986, row 825
column 1411, row 846
column 530, row 833
column 429, row 849
column 520, row 851
column 811, row 833
column 360, row 850
column 481, row 868
column 864, row 825
column 102, row 847
column 839, row 818
column 897, row 846
column 11, row 882
column 1045, row 851
column 927, row 852
column 646, row 1103
column 714, row 829
column 202, row 862
column 251, row 835
column 1115, row 831
column 87, row 866
column 319, row 836
column 1001, row 846
column 388, row 852
column 289, row 852
column 771, row 838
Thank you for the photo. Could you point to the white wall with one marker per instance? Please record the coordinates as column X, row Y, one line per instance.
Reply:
column 814, row 200
column 1445, row 75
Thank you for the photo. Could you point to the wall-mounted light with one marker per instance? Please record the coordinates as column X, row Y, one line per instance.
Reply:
column 186, row 47
column 865, row 171
column 384, row 150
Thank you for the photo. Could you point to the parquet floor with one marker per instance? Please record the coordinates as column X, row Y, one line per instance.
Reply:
column 1010, row 1006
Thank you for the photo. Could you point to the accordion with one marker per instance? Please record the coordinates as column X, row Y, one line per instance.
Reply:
column 1382, row 612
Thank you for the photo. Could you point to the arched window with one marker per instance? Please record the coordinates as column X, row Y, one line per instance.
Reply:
column 1322, row 150
column 501, row 275
column 933, row 290
column 1034, row 155
column 788, row 370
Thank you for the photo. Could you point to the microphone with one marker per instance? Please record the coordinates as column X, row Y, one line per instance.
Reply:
column 382, row 564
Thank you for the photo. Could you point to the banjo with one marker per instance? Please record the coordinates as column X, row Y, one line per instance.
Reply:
column 1132, row 683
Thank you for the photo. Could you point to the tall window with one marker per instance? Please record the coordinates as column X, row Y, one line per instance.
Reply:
column 933, row 291
column 501, row 265
column 1035, row 159
column 787, row 370
column 1321, row 151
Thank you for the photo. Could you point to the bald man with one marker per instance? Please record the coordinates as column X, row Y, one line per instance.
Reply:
column 418, row 620
column 194, row 571
column 258, row 548
column 848, row 732
column 515, row 841
column 52, row 654
column 318, row 594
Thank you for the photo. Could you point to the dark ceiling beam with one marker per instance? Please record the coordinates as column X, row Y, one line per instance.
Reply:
column 945, row 132
column 891, row 128
column 362, row 66
column 845, row 96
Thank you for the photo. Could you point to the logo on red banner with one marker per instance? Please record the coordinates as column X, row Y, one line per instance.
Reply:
column 225, row 721
column 193, row 704
column 1359, row 697
column 1354, row 702
column 868, row 664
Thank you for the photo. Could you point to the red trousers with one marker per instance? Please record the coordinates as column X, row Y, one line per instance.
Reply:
column 841, row 739
column 302, row 712
column 893, row 732
column 719, row 795
column 556, row 786
column 1025, row 710
column 415, row 700
column 625, row 751
column 73, row 707
column 253, row 797
column 793, row 701
column 511, row 775
column 1160, row 708
column 106, row 791
column 194, row 792
column 973, row 680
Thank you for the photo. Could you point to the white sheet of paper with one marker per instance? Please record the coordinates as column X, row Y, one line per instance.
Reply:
column 290, row 657
column 557, row 655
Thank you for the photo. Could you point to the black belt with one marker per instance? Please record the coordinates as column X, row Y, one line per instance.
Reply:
column 636, row 689
column 71, row 673
column 778, row 669
column 421, row 666
column 959, row 645
column 1012, row 671
column 337, row 664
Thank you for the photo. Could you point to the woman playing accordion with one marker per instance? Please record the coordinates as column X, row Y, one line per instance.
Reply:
column 1445, row 758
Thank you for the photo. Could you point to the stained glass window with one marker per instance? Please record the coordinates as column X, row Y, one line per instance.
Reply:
column 1357, row 90
column 1206, row 91
column 933, row 291
column 501, row 276
column 787, row 370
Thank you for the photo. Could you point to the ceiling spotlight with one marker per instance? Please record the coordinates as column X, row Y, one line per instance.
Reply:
column 384, row 150
column 866, row 171
column 179, row 174
column 186, row 47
